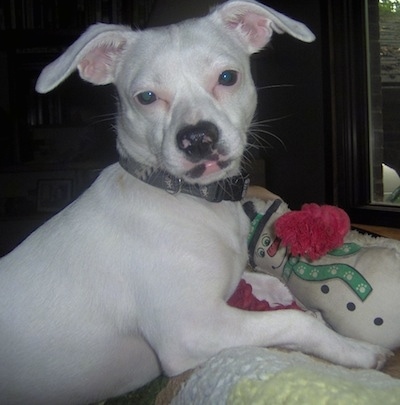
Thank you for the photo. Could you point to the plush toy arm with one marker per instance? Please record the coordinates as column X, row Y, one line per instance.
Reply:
column 313, row 231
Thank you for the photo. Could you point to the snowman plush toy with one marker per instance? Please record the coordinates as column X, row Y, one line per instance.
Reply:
column 352, row 279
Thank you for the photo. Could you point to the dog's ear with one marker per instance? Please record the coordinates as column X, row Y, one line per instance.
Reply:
column 254, row 23
column 95, row 54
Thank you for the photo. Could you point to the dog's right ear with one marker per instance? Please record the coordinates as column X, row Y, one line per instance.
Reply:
column 95, row 54
column 253, row 23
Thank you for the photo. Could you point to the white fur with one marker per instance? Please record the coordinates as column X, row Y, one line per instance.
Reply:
column 130, row 280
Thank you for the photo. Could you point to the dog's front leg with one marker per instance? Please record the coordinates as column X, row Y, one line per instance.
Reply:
column 220, row 327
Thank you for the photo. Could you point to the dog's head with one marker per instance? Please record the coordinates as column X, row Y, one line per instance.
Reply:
column 186, row 93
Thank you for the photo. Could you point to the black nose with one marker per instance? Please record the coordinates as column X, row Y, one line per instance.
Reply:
column 198, row 141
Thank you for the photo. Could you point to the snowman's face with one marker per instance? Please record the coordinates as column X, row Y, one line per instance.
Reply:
column 269, row 254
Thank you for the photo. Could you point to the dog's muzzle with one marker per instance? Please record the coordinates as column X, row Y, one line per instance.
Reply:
column 200, row 145
column 198, row 141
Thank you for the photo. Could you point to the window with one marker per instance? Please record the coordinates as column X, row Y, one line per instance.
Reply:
column 363, row 115
column 384, row 63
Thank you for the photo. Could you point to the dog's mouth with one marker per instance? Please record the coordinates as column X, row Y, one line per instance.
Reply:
column 209, row 167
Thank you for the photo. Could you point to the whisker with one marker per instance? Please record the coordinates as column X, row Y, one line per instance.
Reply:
column 104, row 118
column 268, row 120
column 227, row 187
column 274, row 86
column 256, row 133
column 248, row 161
column 269, row 133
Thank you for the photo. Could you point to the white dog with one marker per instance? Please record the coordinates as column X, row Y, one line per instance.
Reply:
column 132, row 278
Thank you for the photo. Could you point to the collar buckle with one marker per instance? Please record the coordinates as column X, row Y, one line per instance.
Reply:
column 172, row 184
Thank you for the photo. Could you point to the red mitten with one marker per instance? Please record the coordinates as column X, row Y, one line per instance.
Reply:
column 313, row 231
column 243, row 298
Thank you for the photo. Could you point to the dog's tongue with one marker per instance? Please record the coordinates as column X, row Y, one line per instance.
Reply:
column 211, row 167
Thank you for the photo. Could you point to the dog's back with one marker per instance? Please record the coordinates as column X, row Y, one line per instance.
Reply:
column 64, row 304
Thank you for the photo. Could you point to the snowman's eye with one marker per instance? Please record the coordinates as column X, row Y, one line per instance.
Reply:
column 261, row 252
column 266, row 240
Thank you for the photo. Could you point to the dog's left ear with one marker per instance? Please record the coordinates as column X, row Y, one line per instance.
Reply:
column 254, row 23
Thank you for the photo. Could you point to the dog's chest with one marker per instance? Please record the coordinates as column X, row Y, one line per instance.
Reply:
column 217, row 235
column 233, row 224
column 181, row 216
column 198, row 244
column 225, row 221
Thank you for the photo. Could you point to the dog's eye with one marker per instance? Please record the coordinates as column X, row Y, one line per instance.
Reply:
column 147, row 97
column 228, row 78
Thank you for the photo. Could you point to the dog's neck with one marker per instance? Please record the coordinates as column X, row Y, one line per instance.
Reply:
column 230, row 189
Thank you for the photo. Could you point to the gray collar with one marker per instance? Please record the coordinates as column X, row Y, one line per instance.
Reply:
column 231, row 189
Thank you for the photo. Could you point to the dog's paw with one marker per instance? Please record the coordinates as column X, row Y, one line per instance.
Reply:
column 359, row 354
column 269, row 288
